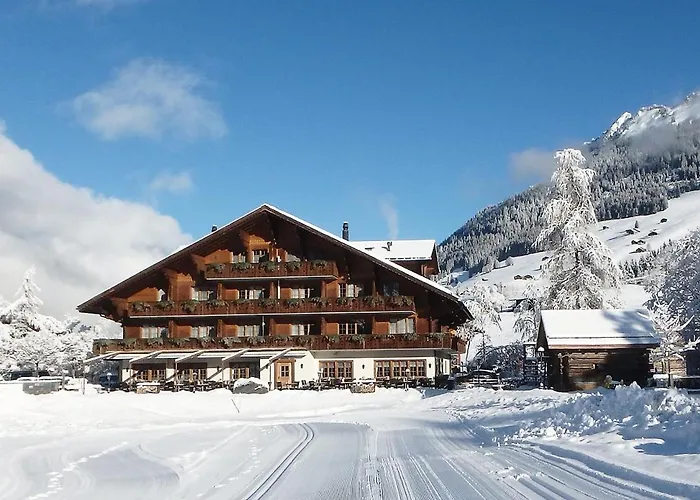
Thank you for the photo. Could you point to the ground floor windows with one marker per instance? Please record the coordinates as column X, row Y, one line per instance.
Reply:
column 410, row 368
column 244, row 370
column 335, row 369
column 149, row 373
column 192, row 373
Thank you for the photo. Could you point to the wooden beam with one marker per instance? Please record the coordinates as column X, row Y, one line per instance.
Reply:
column 275, row 358
column 145, row 356
column 100, row 357
column 234, row 355
column 189, row 355
column 199, row 263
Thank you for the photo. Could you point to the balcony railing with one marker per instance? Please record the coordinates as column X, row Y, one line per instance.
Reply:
column 311, row 305
column 310, row 342
column 271, row 270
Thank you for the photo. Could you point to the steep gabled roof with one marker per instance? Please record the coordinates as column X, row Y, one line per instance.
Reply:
column 614, row 328
column 398, row 249
column 265, row 208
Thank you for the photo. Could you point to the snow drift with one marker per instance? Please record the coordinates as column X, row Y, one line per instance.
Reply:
column 632, row 412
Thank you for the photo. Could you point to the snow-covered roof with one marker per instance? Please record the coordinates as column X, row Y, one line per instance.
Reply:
column 415, row 277
column 398, row 249
column 616, row 328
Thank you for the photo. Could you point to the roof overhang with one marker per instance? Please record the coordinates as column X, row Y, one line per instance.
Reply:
column 135, row 357
column 91, row 305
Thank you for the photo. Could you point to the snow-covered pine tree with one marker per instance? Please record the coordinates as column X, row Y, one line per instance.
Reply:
column 527, row 314
column 581, row 271
column 484, row 303
column 669, row 327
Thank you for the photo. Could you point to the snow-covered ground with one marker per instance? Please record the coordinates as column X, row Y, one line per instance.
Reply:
column 682, row 216
column 392, row 444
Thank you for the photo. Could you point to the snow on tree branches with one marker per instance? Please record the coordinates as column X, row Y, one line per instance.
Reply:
column 581, row 271
column 31, row 339
column 484, row 303
column 527, row 314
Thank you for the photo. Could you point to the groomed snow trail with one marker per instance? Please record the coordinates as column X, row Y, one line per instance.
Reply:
column 371, row 455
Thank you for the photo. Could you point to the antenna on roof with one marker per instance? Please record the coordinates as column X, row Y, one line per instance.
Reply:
column 346, row 231
column 214, row 228
column 388, row 245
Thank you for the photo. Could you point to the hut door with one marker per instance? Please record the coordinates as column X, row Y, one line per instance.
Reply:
column 283, row 373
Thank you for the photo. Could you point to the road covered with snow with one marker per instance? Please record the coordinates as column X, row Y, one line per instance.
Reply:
column 393, row 444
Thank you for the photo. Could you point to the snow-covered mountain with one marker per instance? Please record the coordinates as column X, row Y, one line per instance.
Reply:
column 642, row 161
column 653, row 117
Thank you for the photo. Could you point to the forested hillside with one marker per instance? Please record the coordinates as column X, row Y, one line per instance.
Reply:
column 642, row 161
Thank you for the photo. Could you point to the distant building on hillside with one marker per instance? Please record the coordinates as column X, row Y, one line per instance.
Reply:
column 582, row 347
column 271, row 296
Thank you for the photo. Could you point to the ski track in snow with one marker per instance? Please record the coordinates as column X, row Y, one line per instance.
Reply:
column 430, row 455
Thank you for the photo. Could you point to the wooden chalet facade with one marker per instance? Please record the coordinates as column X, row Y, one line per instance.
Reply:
column 582, row 347
column 272, row 296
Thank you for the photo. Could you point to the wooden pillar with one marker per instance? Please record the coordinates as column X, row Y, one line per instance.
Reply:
column 172, row 329
column 323, row 288
column 220, row 291
column 220, row 328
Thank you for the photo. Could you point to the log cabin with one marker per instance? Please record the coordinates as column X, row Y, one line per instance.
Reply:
column 582, row 347
column 274, row 297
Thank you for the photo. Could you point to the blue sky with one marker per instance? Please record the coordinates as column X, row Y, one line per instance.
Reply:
column 402, row 117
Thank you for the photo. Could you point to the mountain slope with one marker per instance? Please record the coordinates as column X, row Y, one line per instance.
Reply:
column 642, row 161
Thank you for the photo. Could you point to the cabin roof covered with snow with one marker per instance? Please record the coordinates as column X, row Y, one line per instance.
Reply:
column 398, row 249
column 589, row 328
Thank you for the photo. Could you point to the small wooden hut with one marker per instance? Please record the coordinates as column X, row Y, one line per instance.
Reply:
column 582, row 347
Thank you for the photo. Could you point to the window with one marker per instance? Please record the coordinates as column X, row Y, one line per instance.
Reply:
column 251, row 293
column 202, row 331
column 260, row 256
column 243, row 370
column 349, row 329
column 411, row 368
column 153, row 332
column 150, row 373
column 336, row 369
column 192, row 373
column 302, row 292
column 350, row 290
column 284, row 371
column 248, row 330
column 399, row 326
column 391, row 288
column 238, row 258
column 301, row 329
column 203, row 294
column 382, row 369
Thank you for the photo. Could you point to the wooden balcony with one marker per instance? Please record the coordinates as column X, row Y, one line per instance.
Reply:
column 313, row 305
column 272, row 270
column 309, row 342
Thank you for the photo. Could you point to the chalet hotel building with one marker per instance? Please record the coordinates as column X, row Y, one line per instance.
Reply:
column 272, row 296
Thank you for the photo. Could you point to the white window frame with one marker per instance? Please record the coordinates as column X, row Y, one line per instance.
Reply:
column 301, row 328
column 152, row 332
column 401, row 326
column 249, row 330
column 252, row 293
column 201, row 294
column 350, row 290
column 302, row 292
column 352, row 328
column 238, row 258
column 201, row 331
column 257, row 254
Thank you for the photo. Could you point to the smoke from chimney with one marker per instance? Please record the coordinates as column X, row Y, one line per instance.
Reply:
column 346, row 231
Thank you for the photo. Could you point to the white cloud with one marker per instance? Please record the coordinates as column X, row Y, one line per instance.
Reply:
column 533, row 163
column 80, row 242
column 171, row 182
column 387, row 207
column 150, row 98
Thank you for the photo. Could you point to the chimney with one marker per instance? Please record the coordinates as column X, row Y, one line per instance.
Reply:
column 346, row 231
column 388, row 245
column 214, row 228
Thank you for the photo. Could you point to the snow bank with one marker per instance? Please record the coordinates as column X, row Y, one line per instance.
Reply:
column 630, row 411
column 68, row 412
